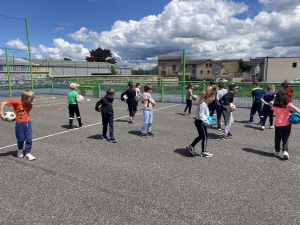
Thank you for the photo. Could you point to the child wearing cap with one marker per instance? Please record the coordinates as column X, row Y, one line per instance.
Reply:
column 73, row 100
column 227, row 101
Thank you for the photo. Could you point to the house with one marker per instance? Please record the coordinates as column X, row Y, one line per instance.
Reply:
column 204, row 69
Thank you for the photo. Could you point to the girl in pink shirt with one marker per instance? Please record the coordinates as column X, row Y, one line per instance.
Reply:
column 283, row 126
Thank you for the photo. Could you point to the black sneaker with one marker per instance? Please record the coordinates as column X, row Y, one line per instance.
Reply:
column 229, row 134
column 150, row 133
column 104, row 138
column 226, row 137
column 143, row 135
column 113, row 141
column 70, row 127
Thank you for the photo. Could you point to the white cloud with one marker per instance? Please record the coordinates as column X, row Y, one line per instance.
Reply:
column 205, row 28
column 16, row 44
column 1, row 52
column 58, row 29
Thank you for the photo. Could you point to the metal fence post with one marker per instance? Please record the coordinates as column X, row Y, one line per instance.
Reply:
column 52, row 86
column 162, row 91
column 99, row 88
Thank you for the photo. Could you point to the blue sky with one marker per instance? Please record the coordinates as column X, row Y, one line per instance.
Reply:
column 139, row 31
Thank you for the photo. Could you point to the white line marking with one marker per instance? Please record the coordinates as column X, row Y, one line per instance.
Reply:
column 51, row 135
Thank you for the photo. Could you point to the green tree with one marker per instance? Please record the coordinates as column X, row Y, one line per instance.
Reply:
column 67, row 59
column 100, row 55
column 244, row 67
column 113, row 70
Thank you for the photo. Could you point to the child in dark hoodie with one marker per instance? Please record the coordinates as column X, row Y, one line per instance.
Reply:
column 289, row 91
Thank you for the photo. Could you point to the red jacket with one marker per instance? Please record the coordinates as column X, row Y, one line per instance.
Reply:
column 289, row 91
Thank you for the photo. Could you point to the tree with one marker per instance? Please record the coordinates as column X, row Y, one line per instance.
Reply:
column 244, row 67
column 113, row 70
column 67, row 59
column 100, row 55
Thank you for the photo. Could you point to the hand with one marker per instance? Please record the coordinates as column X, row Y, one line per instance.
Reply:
column 208, row 125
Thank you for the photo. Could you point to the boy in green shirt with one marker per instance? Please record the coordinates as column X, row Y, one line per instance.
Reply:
column 73, row 99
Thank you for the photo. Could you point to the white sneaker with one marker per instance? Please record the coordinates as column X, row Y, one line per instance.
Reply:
column 29, row 157
column 263, row 127
column 271, row 127
column 285, row 155
column 276, row 153
column 20, row 153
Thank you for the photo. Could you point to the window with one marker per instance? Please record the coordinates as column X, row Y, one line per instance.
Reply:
column 163, row 72
column 173, row 67
column 210, row 64
column 294, row 65
column 194, row 66
column 208, row 72
column 201, row 72
column 163, row 66
column 193, row 71
column 206, row 64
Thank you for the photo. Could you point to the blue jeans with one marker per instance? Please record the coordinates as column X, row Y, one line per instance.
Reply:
column 105, row 121
column 148, row 117
column 24, row 133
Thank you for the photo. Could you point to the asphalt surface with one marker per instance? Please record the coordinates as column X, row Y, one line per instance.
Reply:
column 78, row 178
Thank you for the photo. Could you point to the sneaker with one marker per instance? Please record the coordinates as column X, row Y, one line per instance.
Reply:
column 80, row 125
column 286, row 155
column 184, row 113
column 219, row 128
column 250, row 122
column 263, row 127
column 104, row 138
column 229, row 134
column 143, row 135
column 191, row 150
column 276, row 153
column 70, row 127
column 113, row 141
column 150, row 133
column 131, row 120
column 20, row 153
column 29, row 157
column 259, row 123
column 206, row 154
column 226, row 137
column 271, row 127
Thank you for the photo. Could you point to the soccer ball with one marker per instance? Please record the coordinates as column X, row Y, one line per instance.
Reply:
column 81, row 97
column 194, row 97
column 211, row 121
column 10, row 116
column 271, row 103
column 232, row 105
column 125, row 97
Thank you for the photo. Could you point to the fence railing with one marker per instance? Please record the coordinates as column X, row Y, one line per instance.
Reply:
column 163, row 90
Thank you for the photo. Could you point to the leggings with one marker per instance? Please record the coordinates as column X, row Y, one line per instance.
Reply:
column 188, row 105
column 282, row 133
column 202, row 131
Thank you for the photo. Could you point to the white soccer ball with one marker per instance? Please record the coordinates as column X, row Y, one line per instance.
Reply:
column 232, row 107
column 125, row 97
column 194, row 97
column 10, row 116
column 81, row 97
column 271, row 103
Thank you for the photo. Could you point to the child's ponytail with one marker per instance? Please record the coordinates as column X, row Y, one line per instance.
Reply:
column 205, row 94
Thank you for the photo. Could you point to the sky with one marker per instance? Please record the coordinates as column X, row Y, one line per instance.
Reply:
column 139, row 31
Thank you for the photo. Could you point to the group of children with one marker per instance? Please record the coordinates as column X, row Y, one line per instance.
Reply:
column 221, row 99
column 266, row 104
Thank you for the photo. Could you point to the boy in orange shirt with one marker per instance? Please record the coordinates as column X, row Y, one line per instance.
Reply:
column 23, row 124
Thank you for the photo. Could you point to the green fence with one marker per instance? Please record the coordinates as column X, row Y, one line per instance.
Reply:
column 163, row 90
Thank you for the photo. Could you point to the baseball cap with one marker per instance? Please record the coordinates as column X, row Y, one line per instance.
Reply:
column 73, row 85
column 233, row 86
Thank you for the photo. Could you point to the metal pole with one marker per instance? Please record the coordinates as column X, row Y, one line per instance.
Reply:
column 8, row 72
column 29, row 54
column 183, row 76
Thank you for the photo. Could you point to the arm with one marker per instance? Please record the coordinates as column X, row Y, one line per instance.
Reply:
column 79, row 100
column 263, row 101
column 294, row 108
column 3, row 104
column 151, row 100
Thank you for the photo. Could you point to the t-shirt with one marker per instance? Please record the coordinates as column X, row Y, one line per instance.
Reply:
column 220, row 94
column 268, row 97
column 282, row 115
column 188, row 94
column 137, row 91
column 21, row 110
column 72, row 96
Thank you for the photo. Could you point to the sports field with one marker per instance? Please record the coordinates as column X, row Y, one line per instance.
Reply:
column 78, row 178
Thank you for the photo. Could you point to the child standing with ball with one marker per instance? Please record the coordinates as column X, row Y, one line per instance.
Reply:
column 282, row 107
column 201, row 122
column 73, row 100
column 23, row 126
column 188, row 98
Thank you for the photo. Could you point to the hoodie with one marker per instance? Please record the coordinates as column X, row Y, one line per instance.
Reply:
column 289, row 91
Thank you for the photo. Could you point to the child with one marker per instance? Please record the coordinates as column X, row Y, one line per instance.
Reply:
column 73, row 106
column 149, row 103
column 219, row 108
column 201, row 122
column 138, row 90
column 105, row 106
column 288, row 90
column 212, row 106
column 131, row 101
column 188, row 98
column 23, row 126
column 282, row 107
column 257, row 94
column 227, row 102
column 267, row 112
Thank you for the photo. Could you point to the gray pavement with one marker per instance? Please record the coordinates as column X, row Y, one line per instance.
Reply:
column 80, row 179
